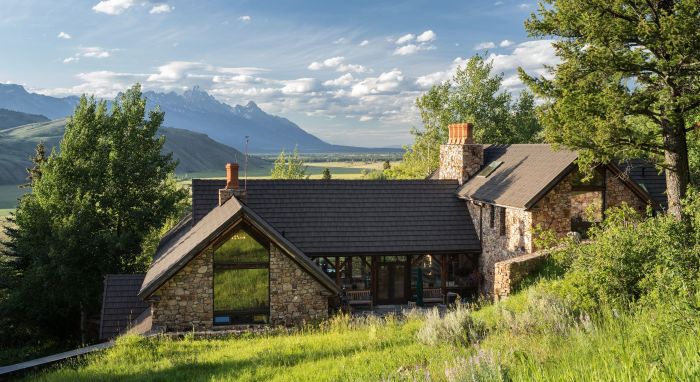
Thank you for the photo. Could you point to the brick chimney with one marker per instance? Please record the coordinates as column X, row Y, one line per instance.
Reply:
column 232, row 187
column 460, row 158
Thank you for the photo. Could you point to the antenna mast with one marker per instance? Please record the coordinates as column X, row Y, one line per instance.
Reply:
column 245, row 165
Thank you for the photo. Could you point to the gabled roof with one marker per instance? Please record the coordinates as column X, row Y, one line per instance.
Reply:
column 648, row 178
column 120, row 304
column 357, row 217
column 177, row 253
column 528, row 171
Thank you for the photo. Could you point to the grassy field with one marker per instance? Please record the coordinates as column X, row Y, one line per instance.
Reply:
column 339, row 170
column 524, row 338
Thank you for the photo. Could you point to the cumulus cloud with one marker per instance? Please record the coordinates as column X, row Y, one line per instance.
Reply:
column 300, row 86
column 161, row 8
column 506, row 43
column 337, row 63
column 175, row 71
column 426, row 36
column 364, row 43
column 89, row 52
column 70, row 59
column 113, row 7
column 342, row 81
column 385, row 83
column 405, row 38
column 485, row 45
column 64, row 36
column 245, row 18
column 422, row 42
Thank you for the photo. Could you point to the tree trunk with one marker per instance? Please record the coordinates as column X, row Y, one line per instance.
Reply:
column 678, row 171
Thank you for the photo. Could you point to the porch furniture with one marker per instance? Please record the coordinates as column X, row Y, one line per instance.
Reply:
column 359, row 297
column 433, row 295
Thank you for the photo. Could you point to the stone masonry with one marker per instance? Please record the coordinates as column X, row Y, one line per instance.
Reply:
column 460, row 162
column 509, row 273
column 295, row 296
column 617, row 192
column 185, row 302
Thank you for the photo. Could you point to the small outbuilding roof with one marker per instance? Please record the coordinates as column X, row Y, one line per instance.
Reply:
column 357, row 217
column 120, row 304
column 527, row 172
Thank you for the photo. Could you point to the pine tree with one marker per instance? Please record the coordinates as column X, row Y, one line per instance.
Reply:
column 326, row 174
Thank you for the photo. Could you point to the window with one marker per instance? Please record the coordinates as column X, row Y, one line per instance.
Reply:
column 492, row 217
column 502, row 220
column 595, row 181
column 241, row 281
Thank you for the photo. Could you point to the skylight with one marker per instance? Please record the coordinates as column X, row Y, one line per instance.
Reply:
column 488, row 170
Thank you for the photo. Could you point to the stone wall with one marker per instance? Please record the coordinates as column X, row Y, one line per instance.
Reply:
column 509, row 273
column 618, row 192
column 185, row 302
column 553, row 211
column 295, row 296
column 516, row 241
column 581, row 202
column 460, row 162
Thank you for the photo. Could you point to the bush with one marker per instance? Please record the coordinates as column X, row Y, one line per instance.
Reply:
column 456, row 327
column 545, row 314
column 633, row 259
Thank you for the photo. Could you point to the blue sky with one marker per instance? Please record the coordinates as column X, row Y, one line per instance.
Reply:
column 347, row 71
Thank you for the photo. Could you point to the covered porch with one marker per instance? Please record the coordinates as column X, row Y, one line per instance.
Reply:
column 373, row 280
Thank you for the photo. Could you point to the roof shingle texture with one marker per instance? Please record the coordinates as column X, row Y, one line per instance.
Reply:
column 527, row 171
column 356, row 217
column 647, row 176
column 121, row 305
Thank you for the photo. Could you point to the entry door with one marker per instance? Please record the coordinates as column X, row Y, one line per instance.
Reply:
column 391, row 282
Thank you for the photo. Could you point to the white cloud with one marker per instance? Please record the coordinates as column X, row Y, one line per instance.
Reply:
column 113, row 7
column 345, row 80
column 385, row 83
column 366, row 118
column 426, row 36
column 341, row 40
column 411, row 49
column 94, row 52
column 175, row 71
column 64, row 36
column 506, row 43
column 161, row 8
column 405, row 38
column 70, row 59
column 300, row 86
column 524, row 6
column 338, row 63
column 498, row 3
column 364, row 43
column 485, row 45
column 245, row 18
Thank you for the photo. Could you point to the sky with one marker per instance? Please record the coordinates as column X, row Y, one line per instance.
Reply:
column 348, row 72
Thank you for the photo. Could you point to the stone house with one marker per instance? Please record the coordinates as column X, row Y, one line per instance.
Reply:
column 285, row 252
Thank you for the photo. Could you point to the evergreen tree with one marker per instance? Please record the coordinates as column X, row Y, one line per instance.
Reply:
column 92, row 204
column 326, row 174
column 628, row 82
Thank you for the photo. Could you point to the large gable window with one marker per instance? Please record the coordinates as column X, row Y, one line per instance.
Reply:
column 241, row 280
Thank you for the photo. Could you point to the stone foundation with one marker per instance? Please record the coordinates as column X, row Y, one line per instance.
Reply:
column 185, row 302
column 295, row 296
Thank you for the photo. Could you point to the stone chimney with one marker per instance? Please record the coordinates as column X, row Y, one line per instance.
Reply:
column 460, row 158
column 232, row 186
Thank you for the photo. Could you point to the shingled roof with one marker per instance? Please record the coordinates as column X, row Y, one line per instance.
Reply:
column 177, row 252
column 351, row 217
column 648, row 178
column 120, row 304
column 528, row 171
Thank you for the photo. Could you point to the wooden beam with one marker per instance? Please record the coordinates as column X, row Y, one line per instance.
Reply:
column 443, row 275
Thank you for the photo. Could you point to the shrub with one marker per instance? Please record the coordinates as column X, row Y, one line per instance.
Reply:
column 482, row 366
column 456, row 327
column 545, row 313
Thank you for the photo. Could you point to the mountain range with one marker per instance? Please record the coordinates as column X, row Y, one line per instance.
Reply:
column 198, row 111
column 195, row 152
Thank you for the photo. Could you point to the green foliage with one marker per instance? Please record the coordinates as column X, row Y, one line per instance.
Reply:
column 627, row 86
column 88, row 213
column 456, row 327
column 473, row 95
column 326, row 175
column 386, row 165
column 288, row 166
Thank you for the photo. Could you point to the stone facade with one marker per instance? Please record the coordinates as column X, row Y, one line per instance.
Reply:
column 295, row 296
column 617, row 192
column 587, row 205
column 186, row 301
column 553, row 211
column 460, row 162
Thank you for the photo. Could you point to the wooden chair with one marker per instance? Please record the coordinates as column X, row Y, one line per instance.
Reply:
column 433, row 295
column 359, row 297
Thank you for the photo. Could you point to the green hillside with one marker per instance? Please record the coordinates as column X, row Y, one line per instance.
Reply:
column 11, row 118
column 195, row 151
